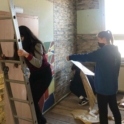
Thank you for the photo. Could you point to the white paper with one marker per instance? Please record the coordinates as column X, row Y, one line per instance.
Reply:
column 83, row 68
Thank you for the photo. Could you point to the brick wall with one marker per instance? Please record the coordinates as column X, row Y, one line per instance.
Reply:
column 87, row 4
column 68, row 42
column 86, row 43
column 65, row 43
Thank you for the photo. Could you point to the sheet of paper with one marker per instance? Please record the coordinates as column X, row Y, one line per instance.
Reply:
column 83, row 68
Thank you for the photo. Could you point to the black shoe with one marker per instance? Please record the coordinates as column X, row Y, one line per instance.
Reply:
column 83, row 101
column 43, row 120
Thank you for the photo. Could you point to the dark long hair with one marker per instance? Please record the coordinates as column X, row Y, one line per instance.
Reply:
column 29, row 42
column 107, row 35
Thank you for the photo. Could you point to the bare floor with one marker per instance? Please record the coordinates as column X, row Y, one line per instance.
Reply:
column 61, row 113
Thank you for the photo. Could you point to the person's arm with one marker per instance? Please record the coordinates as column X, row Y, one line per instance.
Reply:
column 89, row 57
column 37, row 59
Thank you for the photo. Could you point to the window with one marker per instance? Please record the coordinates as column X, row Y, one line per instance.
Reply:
column 120, row 44
column 114, row 21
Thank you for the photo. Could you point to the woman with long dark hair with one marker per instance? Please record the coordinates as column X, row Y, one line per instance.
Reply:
column 40, row 77
column 40, row 72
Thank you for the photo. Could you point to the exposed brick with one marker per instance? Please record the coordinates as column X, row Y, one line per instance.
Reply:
column 86, row 43
column 65, row 43
column 68, row 42
column 87, row 4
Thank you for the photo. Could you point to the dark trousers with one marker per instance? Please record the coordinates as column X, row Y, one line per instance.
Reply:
column 77, row 87
column 39, row 82
column 103, row 102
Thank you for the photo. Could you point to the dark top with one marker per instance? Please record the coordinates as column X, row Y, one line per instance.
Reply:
column 108, row 61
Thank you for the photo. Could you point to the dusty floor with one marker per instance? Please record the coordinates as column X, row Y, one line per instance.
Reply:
column 61, row 113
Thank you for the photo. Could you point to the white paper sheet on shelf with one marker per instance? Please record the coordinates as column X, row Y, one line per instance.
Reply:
column 85, row 70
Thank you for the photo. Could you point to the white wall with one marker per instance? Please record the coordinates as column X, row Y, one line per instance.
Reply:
column 41, row 8
column 91, row 21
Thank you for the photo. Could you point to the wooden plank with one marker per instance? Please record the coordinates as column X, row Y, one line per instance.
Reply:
column 88, row 89
column 73, row 105
column 64, row 107
column 63, row 118
column 61, row 112
column 54, row 121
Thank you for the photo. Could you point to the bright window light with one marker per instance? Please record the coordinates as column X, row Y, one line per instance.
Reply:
column 114, row 16
column 120, row 44
column 114, row 21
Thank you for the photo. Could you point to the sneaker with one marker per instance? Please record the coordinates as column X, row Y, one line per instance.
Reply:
column 84, row 101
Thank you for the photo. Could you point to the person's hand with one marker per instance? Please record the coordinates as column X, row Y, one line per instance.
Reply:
column 22, row 52
column 2, row 56
column 67, row 58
